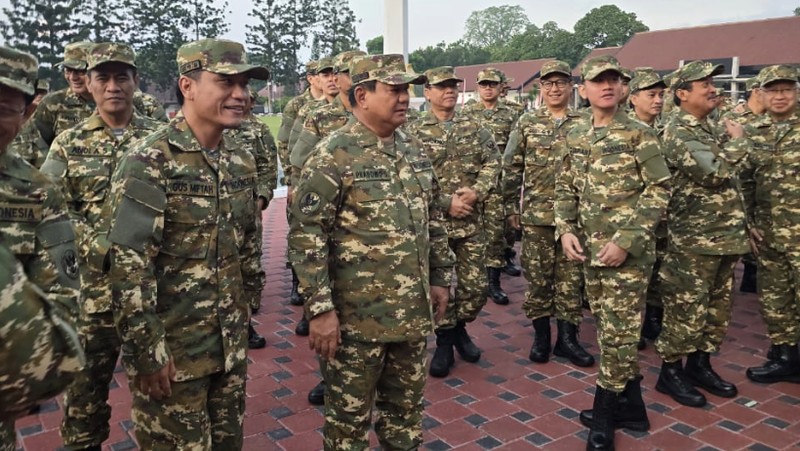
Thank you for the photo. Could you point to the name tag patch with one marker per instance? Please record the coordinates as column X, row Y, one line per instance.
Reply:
column 367, row 174
column 421, row 165
column 20, row 212
column 191, row 188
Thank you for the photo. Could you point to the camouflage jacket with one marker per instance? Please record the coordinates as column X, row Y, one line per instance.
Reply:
column 533, row 157
column 498, row 120
column 149, row 106
column 320, row 123
column 39, row 349
column 744, row 117
column 184, row 253
column 463, row 154
column 368, row 239
column 255, row 136
column 29, row 145
column 287, row 122
column 706, row 213
column 771, row 180
column 613, row 186
column 297, row 127
column 59, row 111
column 34, row 224
column 82, row 160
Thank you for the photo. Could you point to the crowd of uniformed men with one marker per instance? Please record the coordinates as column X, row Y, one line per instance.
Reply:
column 122, row 235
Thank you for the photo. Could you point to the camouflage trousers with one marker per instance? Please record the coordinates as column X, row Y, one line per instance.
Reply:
column 255, row 301
column 554, row 283
column 86, row 410
column 779, row 291
column 470, row 291
column 389, row 375
column 654, row 287
column 499, row 236
column 616, row 297
column 8, row 436
column 696, row 290
column 202, row 414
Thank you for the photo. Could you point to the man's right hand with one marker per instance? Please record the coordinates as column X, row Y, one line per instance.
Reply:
column 572, row 247
column 324, row 334
column 756, row 238
column 459, row 208
column 513, row 222
column 157, row 385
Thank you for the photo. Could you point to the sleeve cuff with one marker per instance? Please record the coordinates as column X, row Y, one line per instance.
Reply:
column 98, row 259
column 441, row 277
column 152, row 360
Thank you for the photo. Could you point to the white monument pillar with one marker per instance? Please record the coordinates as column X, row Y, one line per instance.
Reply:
column 395, row 27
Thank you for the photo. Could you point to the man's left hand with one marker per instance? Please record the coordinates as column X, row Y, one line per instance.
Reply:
column 612, row 255
column 440, row 296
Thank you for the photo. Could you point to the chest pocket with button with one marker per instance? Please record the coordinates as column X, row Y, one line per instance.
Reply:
column 190, row 215
column 375, row 196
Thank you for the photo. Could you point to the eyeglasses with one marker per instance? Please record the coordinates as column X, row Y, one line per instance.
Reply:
column 548, row 84
column 775, row 91
column 7, row 113
column 489, row 84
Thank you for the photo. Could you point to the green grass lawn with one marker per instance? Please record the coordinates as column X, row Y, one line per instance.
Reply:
column 274, row 123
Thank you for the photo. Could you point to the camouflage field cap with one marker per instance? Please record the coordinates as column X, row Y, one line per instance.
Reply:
column 342, row 60
column 696, row 70
column 253, row 93
column 218, row 56
column 646, row 80
column 627, row 74
column 491, row 74
column 325, row 64
column 18, row 70
column 752, row 83
column 311, row 67
column 110, row 52
column 389, row 69
column 42, row 86
column 779, row 72
column 75, row 54
column 441, row 74
column 555, row 67
column 599, row 64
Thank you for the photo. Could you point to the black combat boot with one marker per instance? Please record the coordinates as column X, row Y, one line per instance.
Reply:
column 673, row 381
column 254, row 340
column 784, row 367
column 601, row 432
column 540, row 351
column 302, row 328
column 567, row 345
column 317, row 394
column 511, row 268
column 699, row 371
column 295, row 298
column 464, row 345
column 749, row 280
column 651, row 326
column 772, row 352
column 493, row 290
column 443, row 357
column 631, row 412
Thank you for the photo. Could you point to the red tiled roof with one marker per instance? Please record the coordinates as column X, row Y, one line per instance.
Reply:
column 600, row 51
column 521, row 71
column 756, row 43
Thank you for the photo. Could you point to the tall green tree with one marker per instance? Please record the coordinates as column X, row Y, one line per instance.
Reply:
column 43, row 28
column 375, row 45
column 336, row 30
column 205, row 20
column 494, row 26
column 457, row 53
column 607, row 26
column 104, row 19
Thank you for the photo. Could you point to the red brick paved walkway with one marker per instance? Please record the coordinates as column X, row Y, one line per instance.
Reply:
column 503, row 402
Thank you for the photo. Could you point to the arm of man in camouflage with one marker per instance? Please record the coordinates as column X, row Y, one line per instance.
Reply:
column 566, row 210
column 44, row 120
column 29, row 145
column 490, row 170
column 705, row 164
column 643, row 218
column 308, row 139
column 287, row 120
column 441, row 258
column 513, row 170
column 138, row 196
column 758, row 133
column 268, row 167
column 39, row 350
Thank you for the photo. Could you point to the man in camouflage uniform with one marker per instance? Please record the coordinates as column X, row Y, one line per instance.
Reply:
column 707, row 235
column 533, row 157
column 35, row 227
column 313, row 92
column 370, row 248
column 184, row 258
column 498, row 117
column 255, row 136
column 647, row 101
column 771, row 185
column 627, row 76
column 610, row 194
column 320, row 123
column 467, row 163
column 147, row 105
column 82, row 159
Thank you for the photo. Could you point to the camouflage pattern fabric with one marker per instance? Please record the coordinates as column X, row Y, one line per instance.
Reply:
column 184, row 279
column 201, row 414
column 696, row 291
column 218, row 56
column 463, row 154
column 613, row 186
column 772, row 198
column 82, row 160
column 58, row 112
column 297, row 129
column 358, row 378
column 320, row 123
column 29, row 145
column 149, row 106
column 287, row 122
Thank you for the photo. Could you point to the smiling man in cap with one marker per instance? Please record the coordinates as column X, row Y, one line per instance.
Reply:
column 184, row 258
column 82, row 160
column 370, row 248
column 610, row 194
column 707, row 236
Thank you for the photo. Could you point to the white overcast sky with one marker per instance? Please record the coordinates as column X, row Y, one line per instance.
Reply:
column 433, row 21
